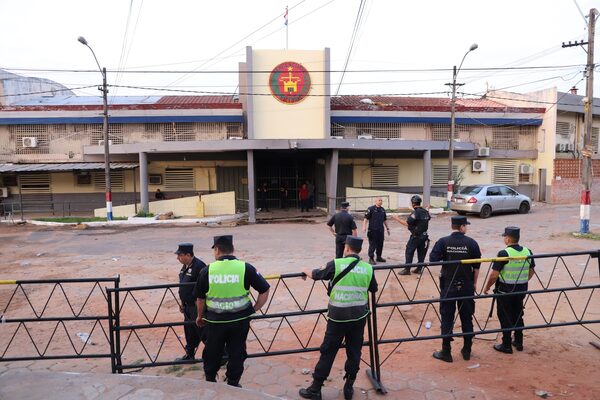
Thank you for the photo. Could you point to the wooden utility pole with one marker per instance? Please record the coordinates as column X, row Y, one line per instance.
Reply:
column 588, row 151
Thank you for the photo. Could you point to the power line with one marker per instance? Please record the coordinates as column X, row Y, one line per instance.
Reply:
column 47, row 91
column 357, row 24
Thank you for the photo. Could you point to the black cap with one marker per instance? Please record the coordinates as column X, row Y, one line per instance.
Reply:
column 185, row 248
column 223, row 240
column 416, row 199
column 354, row 242
column 512, row 231
column 345, row 204
column 460, row 220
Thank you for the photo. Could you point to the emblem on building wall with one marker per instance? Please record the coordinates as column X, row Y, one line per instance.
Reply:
column 289, row 82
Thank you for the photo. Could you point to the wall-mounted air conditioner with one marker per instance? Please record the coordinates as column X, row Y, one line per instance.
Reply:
column 526, row 169
column 479, row 165
column 570, row 147
column 3, row 192
column 30, row 141
column 483, row 152
column 101, row 142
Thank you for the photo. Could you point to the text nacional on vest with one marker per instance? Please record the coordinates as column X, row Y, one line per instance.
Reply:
column 221, row 279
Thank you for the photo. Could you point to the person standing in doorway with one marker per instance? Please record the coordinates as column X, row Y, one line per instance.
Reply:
column 263, row 192
column 376, row 218
column 344, row 225
column 283, row 196
column 303, row 195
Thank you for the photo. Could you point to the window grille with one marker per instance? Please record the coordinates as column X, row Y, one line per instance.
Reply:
column 440, row 174
column 563, row 129
column 117, row 181
column 385, row 176
column 525, row 178
column 40, row 144
column 179, row 179
column 504, row 172
column 34, row 183
column 595, row 135
column 507, row 137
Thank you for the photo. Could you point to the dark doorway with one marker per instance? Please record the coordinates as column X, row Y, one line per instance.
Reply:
column 234, row 179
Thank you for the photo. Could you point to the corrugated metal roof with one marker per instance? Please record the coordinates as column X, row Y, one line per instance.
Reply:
column 63, row 167
column 574, row 103
column 182, row 100
column 86, row 100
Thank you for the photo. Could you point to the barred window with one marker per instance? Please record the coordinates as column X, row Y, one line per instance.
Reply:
column 505, row 137
column 504, row 172
column 563, row 129
column 440, row 174
column 117, row 180
column 179, row 179
column 387, row 175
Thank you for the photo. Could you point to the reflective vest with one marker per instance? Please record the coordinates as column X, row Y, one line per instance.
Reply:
column 516, row 272
column 226, row 291
column 349, row 298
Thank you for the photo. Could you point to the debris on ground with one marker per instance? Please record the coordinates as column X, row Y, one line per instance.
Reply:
column 165, row 216
column 543, row 394
column 81, row 226
column 85, row 338
column 305, row 371
column 473, row 366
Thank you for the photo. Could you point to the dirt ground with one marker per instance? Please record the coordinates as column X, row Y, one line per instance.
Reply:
column 557, row 360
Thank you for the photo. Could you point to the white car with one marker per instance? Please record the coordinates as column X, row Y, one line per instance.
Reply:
column 487, row 199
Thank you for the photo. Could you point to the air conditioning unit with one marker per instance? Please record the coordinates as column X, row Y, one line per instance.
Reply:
column 562, row 147
column 30, row 141
column 479, row 165
column 526, row 169
column 3, row 192
column 365, row 136
column 235, row 138
column 483, row 152
column 101, row 142
column 570, row 147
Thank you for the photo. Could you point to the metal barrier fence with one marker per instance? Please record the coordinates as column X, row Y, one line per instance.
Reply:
column 53, row 309
column 54, row 208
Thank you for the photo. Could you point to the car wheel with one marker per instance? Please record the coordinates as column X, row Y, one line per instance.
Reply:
column 486, row 211
column 524, row 208
column 461, row 212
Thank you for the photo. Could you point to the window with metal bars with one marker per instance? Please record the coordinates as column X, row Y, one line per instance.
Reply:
column 179, row 179
column 30, row 139
column 117, row 180
column 440, row 174
column 34, row 183
column 441, row 132
column 385, row 175
column 505, row 137
column 563, row 129
column 504, row 172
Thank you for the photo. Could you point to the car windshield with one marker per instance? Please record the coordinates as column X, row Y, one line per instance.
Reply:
column 471, row 190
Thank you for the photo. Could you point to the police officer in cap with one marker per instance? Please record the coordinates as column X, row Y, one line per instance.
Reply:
column 344, row 226
column 511, row 276
column 350, row 280
column 456, row 280
column 224, row 306
column 189, row 274
column 377, row 221
column 417, row 223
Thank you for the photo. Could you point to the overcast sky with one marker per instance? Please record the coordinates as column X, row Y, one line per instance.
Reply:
column 206, row 35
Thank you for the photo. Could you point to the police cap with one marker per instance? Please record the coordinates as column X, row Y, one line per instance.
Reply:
column 345, row 204
column 459, row 220
column 224, row 240
column 185, row 248
column 416, row 199
column 512, row 231
column 354, row 241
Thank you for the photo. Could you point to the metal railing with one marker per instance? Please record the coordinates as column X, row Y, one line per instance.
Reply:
column 54, row 208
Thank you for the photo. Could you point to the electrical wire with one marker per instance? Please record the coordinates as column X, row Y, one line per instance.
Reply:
column 357, row 24
column 47, row 91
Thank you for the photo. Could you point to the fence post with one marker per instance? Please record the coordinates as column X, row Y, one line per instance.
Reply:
column 117, row 326
column 375, row 373
column 111, row 331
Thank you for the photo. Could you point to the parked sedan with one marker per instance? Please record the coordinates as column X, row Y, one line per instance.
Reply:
column 487, row 199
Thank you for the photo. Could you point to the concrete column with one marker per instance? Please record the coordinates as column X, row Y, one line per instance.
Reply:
column 426, row 178
column 331, row 171
column 144, row 182
column 251, row 188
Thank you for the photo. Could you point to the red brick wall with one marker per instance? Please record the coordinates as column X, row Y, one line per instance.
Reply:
column 567, row 189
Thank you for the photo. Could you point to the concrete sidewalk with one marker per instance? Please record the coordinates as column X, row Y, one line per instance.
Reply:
column 24, row 384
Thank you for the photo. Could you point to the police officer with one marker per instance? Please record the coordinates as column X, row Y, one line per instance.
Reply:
column 417, row 223
column 511, row 276
column 350, row 281
column 189, row 273
column 377, row 220
column 456, row 280
column 344, row 226
column 223, row 289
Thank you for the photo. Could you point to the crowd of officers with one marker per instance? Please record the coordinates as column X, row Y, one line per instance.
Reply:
column 220, row 304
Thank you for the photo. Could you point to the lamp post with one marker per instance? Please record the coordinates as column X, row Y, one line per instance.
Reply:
column 455, row 72
column 104, row 90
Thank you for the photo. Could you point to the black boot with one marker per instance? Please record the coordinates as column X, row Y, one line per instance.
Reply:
column 446, row 353
column 348, row 386
column 231, row 382
column 418, row 270
column 372, row 261
column 466, row 350
column 405, row 271
column 312, row 392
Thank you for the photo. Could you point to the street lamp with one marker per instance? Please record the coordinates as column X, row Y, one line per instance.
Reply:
column 104, row 90
column 452, row 124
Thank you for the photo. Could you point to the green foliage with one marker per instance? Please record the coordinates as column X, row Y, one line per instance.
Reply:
column 142, row 214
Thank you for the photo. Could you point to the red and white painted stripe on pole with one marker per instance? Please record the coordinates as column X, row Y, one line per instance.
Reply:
column 450, row 193
column 109, row 211
column 584, row 212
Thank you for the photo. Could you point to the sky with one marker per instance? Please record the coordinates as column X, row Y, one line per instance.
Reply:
column 400, row 47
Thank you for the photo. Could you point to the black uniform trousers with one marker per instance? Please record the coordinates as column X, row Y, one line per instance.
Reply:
column 466, row 308
column 353, row 334
column 376, row 238
column 510, row 314
column 418, row 244
column 230, row 337
column 193, row 333
column 340, row 243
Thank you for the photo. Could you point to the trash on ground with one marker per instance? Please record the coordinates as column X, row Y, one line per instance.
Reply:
column 473, row 366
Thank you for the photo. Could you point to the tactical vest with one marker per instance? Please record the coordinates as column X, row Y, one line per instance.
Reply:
column 349, row 298
column 226, row 291
column 516, row 271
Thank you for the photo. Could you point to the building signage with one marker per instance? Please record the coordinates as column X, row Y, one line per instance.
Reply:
column 289, row 82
